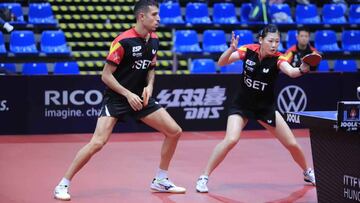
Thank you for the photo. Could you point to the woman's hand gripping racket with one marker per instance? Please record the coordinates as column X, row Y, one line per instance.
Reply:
column 312, row 59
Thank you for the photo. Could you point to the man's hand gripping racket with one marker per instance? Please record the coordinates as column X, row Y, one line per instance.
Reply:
column 145, row 97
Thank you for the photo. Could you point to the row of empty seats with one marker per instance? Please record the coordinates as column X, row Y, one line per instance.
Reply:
column 38, row 14
column 205, row 66
column 60, row 68
column 225, row 13
column 187, row 41
column 23, row 42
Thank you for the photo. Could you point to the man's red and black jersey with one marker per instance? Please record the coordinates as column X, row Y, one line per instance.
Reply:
column 134, row 56
column 258, row 80
column 294, row 55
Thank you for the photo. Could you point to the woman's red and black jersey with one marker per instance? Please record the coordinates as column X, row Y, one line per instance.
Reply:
column 134, row 56
column 256, row 91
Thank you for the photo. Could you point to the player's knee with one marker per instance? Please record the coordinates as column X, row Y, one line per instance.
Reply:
column 231, row 142
column 97, row 145
column 175, row 132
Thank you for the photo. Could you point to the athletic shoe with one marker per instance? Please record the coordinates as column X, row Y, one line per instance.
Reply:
column 165, row 185
column 61, row 192
column 309, row 176
column 201, row 184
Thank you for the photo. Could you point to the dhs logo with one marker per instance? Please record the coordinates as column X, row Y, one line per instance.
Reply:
column 200, row 103
column 292, row 98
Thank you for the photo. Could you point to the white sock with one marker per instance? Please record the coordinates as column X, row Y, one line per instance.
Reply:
column 161, row 174
column 64, row 181
column 8, row 27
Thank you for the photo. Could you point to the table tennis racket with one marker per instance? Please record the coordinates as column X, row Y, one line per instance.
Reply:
column 312, row 59
column 145, row 98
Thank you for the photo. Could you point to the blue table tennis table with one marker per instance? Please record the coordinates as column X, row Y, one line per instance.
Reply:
column 336, row 156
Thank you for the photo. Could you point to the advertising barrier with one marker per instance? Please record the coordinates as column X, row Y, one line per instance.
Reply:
column 70, row 104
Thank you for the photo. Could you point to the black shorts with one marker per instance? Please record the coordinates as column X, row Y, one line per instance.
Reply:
column 266, row 115
column 122, row 110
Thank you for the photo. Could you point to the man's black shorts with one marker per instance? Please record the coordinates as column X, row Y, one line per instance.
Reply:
column 122, row 110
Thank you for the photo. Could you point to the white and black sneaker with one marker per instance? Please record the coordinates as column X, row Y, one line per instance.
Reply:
column 8, row 27
column 201, row 184
column 61, row 192
column 165, row 185
column 309, row 176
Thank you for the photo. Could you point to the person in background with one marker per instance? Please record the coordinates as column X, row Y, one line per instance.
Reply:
column 5, row 16
column 302, row 48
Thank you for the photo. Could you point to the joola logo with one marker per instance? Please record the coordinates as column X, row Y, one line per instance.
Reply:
column 292, row 118
column 250, row 62
column 136, row 49
column 348, row 124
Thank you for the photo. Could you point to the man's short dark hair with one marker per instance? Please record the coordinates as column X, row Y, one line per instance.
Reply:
column 143, row 6
column 304, row 29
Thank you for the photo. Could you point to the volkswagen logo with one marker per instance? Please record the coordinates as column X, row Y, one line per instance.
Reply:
column 291, row 99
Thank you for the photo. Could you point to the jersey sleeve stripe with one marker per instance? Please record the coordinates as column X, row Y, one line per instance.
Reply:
column 114, row 47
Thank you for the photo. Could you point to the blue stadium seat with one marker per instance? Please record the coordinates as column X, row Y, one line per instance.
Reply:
column 16, row 9
column 214, row 41
column 9, row 67
column 23, row 43
column 53, row 42
column 291, row 38
column 345, row 65
column 2, row 45
column 324, row 66
column 224, row 13
column 203, row 66
column 245, row 37
column 307, row 14
column 325, row 40
column 333, row 14
column 170, row 13
column 354, row 13
column 186, row 41
column 236, row 67
column 66, row 68
column 34, row 69
column 197, row 13
column 244, row 12
column 281, row 13
column 41, row 13
column 351, row 40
